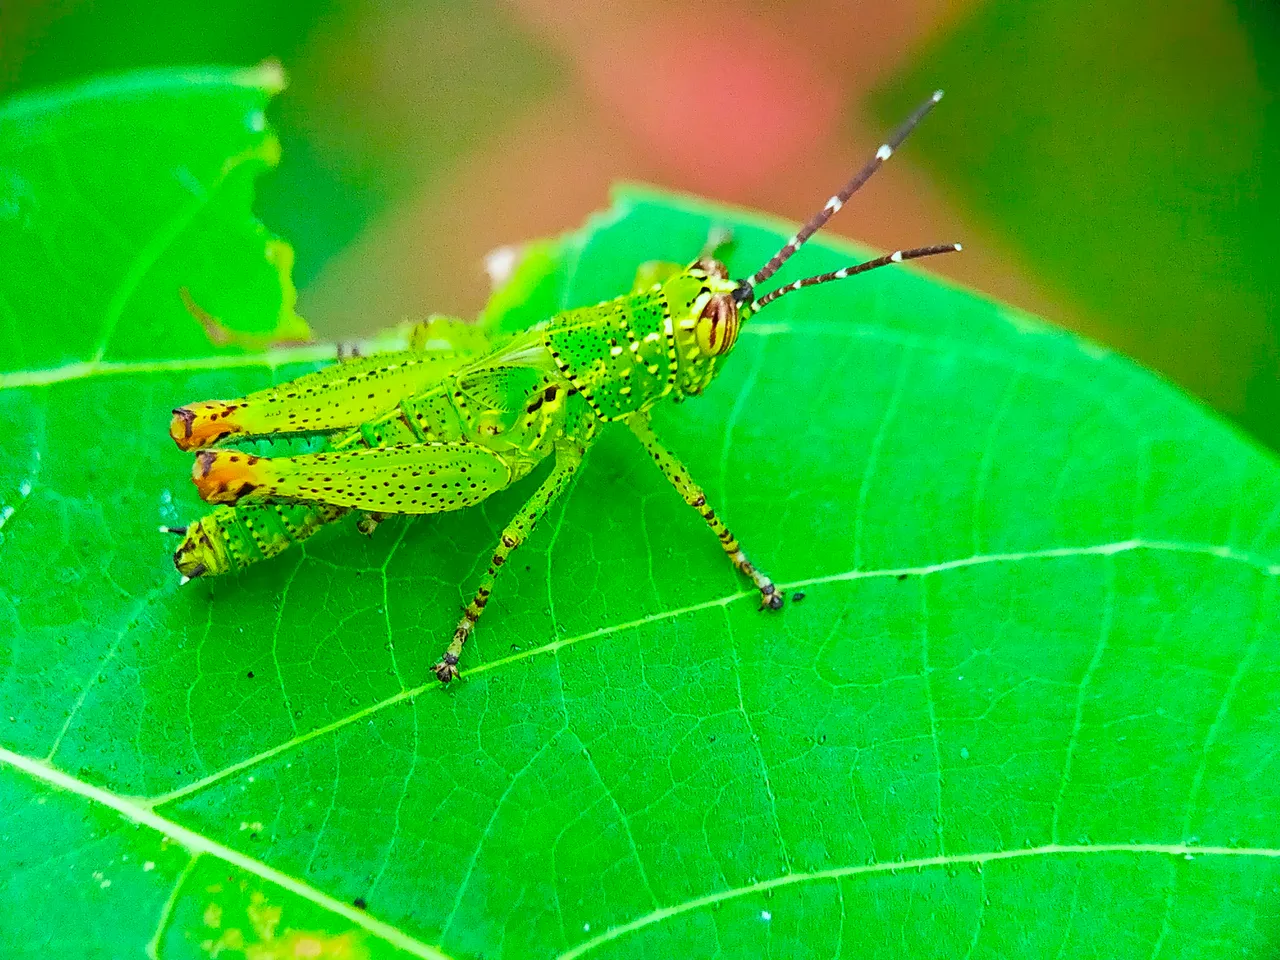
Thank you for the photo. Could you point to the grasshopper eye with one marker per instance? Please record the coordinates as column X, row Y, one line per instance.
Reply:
column 717, row 327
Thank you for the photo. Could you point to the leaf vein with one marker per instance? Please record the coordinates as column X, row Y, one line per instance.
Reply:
column 197, row 844
column 950, row 860
column 484, row 834
column 166, row 912
column 1104, row 634
column 1231, row 554
column 755, row 742
column 86, row 369
column 926, row 670
column 873, row 455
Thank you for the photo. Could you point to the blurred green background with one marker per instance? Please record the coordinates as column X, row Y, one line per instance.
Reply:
column 1111, row 166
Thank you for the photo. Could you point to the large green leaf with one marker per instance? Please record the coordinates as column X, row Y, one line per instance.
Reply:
column 1029, row 705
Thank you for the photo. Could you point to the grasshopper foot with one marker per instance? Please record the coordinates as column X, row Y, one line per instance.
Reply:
column 447, row 668
column 368, row 522
column 771, row 598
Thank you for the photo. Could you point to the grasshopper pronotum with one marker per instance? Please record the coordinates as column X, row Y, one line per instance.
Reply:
column 421, row 431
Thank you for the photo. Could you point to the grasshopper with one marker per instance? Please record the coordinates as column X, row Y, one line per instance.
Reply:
column 425, row 431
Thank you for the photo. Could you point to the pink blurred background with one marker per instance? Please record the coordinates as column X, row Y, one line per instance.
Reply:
column 1111, row 166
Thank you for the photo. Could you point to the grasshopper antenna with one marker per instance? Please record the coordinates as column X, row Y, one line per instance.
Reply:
column 746, row 290
column 898, row 256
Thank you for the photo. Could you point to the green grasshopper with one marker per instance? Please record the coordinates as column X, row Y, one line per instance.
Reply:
column 425, row 431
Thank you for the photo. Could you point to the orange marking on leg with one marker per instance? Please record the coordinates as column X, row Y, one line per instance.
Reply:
column 225, row 476
column 200, row 425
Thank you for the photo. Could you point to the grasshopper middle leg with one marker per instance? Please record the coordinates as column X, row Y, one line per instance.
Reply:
column 568, row 458
column 675, row 472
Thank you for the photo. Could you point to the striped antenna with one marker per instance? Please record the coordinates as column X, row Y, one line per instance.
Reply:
column 898, row 256
column 819, row 219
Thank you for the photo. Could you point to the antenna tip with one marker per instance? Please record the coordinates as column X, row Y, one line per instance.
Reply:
column 958, row 247
column 937, row 95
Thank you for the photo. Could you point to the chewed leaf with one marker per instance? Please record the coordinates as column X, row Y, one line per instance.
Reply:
column 117, row 196
column 1028, row 706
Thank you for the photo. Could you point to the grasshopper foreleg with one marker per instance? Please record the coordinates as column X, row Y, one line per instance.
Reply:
column 568, row 457
column 678, row 475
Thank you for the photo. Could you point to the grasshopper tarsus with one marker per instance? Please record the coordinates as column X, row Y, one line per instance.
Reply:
column 447, row 669
column 369, row 522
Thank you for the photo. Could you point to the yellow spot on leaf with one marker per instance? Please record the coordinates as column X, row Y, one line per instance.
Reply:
column 308, row 945
column 260, row 935
column 264, row 917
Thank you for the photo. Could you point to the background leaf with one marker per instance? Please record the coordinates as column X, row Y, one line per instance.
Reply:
column 1108, row 109
column 116, row 195
column 1028, row 705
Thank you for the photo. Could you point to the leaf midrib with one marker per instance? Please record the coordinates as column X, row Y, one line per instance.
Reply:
column 1230, row 554
column 85, row 369
column 266, row 77
column 198, row 845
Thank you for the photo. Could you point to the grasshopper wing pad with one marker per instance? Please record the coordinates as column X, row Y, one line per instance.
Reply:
column 335, row 398
column 501, row 389
column 615, row 353
column 412, row 478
